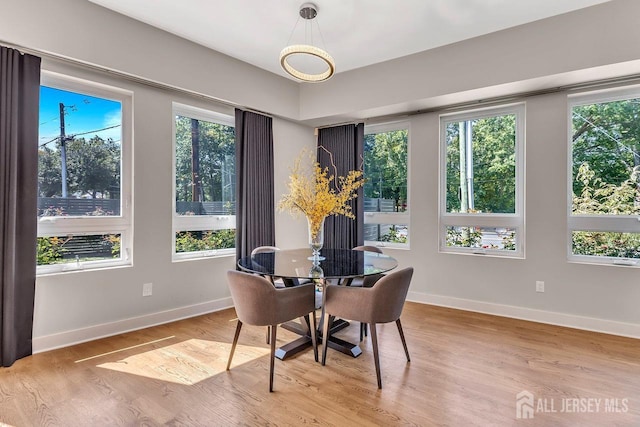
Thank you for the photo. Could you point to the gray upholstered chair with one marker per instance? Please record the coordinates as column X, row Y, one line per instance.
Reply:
column 258, row 303
column 366, row 281
column 277, row 282
column 381, row 303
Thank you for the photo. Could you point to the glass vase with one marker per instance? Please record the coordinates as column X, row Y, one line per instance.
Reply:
column 316, row 240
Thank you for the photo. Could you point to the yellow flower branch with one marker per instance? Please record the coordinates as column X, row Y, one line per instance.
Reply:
column 311, row 192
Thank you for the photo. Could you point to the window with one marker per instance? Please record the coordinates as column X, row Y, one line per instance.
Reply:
column 604, row 204
column 482, row 170
column 204, row 222
column 386, row 208
column 84, row 175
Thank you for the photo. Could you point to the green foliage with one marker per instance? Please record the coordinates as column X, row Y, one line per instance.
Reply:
column 385, row 166
column 394, row 235
column 49, row 250
column 192, row 241
column 215, row 144
column 93, row 168
column 464, row 237
column 509, row 241
column 49, row 175
column 606, row 136
column 601, row 198
column 52, row 250
column 471, row 237
column 113, row 240
column 610, row 244
column 494, row 164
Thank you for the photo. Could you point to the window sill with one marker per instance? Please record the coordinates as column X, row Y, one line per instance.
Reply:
column 482, row 253
column 82, row 269
column 194, row 256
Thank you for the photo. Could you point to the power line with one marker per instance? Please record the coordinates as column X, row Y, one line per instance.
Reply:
column 57, row 138
column 50, row 120
column 92, row 131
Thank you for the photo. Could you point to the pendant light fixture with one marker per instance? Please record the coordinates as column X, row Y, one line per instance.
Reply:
column 308, row 11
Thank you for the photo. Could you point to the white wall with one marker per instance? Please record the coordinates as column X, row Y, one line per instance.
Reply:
column 594, row 43
column 83, row 31
column 595, row 297
column 76, row 306
column 587, row 44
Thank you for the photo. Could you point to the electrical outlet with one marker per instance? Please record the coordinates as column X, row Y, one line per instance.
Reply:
column 539, row 286
column 147, row 289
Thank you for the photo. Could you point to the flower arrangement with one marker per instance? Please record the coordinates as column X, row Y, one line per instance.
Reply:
column 311, row 192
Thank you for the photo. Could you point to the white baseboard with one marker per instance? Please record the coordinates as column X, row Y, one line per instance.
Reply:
column 541, row 316
column 90, row 333
column 77, row 336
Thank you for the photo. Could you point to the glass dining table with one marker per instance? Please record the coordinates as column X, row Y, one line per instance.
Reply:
column 338, row 266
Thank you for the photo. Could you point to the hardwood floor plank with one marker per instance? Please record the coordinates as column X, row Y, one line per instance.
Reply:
column 466, row 369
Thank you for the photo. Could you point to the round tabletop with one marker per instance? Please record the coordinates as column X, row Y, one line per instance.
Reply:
column 338, row 264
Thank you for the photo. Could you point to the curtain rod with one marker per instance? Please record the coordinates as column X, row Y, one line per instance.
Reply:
column 127, row 76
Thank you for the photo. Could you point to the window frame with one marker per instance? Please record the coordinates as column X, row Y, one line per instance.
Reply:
column 391, row 218
column 181, row 223
column 593, row 222
column 514, row 220
column 97, row 225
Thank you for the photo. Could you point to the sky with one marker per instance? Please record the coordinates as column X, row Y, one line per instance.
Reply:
column 83, row 113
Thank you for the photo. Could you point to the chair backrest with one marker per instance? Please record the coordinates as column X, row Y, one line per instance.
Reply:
column 368, row 248
column 261, row 249
column 253, row 297
column 390, row 292
column 258, row 303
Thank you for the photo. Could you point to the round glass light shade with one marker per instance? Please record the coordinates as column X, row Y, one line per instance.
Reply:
column 305, row 49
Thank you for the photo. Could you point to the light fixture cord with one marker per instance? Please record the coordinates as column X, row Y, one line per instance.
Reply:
column 292, row 31
column 324, row 45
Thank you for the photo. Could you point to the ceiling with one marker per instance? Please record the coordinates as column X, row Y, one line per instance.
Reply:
column 356, row 33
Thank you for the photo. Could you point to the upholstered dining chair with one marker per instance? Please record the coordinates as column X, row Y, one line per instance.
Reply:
column 277, row 282
column 258, row 303
column 366, row 281
column 381, row 303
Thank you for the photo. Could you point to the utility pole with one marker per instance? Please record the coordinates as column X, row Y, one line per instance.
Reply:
column 63, row 152
column 469, row 160
column 196, row 185
column 464, row 190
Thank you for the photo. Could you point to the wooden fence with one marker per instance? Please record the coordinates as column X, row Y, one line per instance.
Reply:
column 57, row 206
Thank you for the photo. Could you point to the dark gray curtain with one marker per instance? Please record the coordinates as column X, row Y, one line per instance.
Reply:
column 19, row 99
column 255, row 216
column 346, row 145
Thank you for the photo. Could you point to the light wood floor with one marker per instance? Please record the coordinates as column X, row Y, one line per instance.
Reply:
column 466, row 369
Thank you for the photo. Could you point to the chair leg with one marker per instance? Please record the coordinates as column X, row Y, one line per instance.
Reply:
column 268, row 333
column 325, row 337
column 274, row 329
column 235, row 341
column 363, row 331
column 376, row 356
column 404, row 342
column 313, row 329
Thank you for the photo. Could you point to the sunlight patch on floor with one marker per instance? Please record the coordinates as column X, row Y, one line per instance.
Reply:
column 187, row 362
column 120, row 350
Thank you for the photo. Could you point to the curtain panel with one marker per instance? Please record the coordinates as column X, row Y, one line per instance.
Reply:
column 19, row 105
column 255, row 215
column 340, row 148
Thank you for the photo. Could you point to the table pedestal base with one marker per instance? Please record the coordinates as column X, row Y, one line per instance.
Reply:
column 304, row 341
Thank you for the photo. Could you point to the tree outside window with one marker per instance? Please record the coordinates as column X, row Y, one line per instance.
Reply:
column 605, row 162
